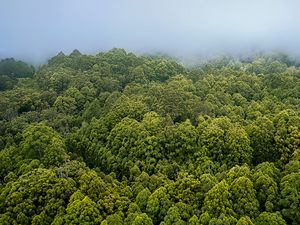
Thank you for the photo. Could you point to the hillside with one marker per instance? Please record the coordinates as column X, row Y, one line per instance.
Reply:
column 116, row 138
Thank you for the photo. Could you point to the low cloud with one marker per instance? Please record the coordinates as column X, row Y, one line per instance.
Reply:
column 35, row 30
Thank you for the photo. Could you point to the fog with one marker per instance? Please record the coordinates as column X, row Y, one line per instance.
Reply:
column 34, row 30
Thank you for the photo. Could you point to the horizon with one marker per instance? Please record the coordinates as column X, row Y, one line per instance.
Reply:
column 35, row 31
column 186, row 61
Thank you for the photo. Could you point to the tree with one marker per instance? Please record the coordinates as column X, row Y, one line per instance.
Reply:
column 261, row 133
column 114, row 219
column 267, row 191
column 15, row 68
column 179, row 141
column 82, row 211
column 293, row 165
column 225, row 142
column 42, row 142
column 245, row 220
column 173, row 217
column 92, row 185
column 65, row 105
column 36, row 197
column 218, row 201
column 138, row 219
column 158, row 205
column 194, row 220
column 290, row 197
column 287, row 136
column 9, row 160
column 7, row 82
column 117, row 138
column 267, row 218
column 189, row 190
column 244, row 197
column 237, row 172
column 222, row 219
column 142, row 198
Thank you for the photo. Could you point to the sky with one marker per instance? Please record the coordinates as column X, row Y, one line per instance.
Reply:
column 35, row 30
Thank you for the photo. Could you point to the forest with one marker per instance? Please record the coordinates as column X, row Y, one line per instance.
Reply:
column 120, row 138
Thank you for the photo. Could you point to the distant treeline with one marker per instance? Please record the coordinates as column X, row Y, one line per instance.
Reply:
column 10, row 70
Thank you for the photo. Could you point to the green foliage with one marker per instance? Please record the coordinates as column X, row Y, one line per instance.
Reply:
column 245, row 220
column 244, row 197
column 261, row 133
column 14, row 68
column 194, row 220
column 218, row 201
column 82, row 211
column 142, row 198
column 266, row 218
column 173, row 217
column 7, row 82
column 116, row 138
column 36, row 196
column 225, row 142
column 141, row 219
column 43, row 143
column 290, row 197
column 158, row 204
column 266, row 187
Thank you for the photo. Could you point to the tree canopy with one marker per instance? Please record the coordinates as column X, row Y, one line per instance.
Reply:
column 118, row 138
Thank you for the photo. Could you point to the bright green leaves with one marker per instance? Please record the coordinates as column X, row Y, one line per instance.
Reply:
column 9, row 158
column 245, row 221
column 92, row 185
column 43, row 143
column 138, row 219
column 267, row 218
column 82, row 211
column 173, row 217
column 175, row 99
column 218, row 201
column 126, row 139
column 290, row 197
column 190, row 190
column 114, row 219
column 213, row 145
column 142, row 198
column 179, row 141
column 238, row 145
column 142, row 219
column 224, row 141
column 287, row 136
column 36, row 196
column 265, row 182
column 244, row 197
column 158, row 204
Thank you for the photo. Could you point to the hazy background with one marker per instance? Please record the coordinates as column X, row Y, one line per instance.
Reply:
column 34, row 30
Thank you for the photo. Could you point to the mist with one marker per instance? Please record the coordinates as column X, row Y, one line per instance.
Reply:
column 35, row 30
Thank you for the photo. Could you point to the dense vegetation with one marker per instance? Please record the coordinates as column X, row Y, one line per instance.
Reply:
column 10, row 70
column 117, row 138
